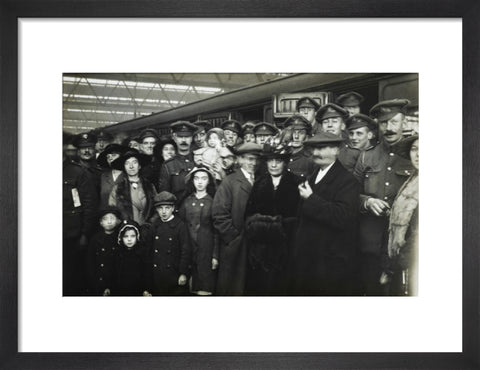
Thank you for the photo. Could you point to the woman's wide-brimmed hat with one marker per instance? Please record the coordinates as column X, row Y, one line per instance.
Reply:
column 112, row 148
column 119, row 163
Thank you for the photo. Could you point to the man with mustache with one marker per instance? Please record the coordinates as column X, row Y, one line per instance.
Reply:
column 324, row 253
column 85, row 144
column 381, row 172
column 174, row 170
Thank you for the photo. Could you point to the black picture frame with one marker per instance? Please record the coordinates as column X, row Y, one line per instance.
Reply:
column 11, row 10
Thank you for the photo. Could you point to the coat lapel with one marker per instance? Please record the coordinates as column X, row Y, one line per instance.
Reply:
column 243, row 182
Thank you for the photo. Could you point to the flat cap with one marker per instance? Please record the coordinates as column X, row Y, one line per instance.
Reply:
column 232, row 125
column 349, row 99
column 360, row 120
column 248, row 148
column 307, row 102
column 298, row 122
column 321, row 139
column 331, row 110
column 387, row 109
column 84, row 140
column 183, row 128
column 148, row 132
column 265, row 128
column 109, row 209
column 164, row 197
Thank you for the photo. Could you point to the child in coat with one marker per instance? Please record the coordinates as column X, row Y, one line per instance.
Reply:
column 196, row 210
column 169, row 249
column 101, row 253
column 131, row 262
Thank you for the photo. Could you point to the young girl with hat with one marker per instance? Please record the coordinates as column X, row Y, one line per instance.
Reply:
column 196, row 210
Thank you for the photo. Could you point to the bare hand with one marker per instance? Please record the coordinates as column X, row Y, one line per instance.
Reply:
column 214, row 263
column 106, row 292
column 305, row 190
column 182, row 280
column 377, row 206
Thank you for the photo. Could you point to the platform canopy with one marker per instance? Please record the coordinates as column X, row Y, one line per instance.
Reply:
column 95, row 100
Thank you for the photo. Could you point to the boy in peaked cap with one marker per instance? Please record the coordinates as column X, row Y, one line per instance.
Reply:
column 351, row 102
column 297, row 130
column 307, row 107
column 332, row 119
column 170, row 250
column 232, row 129
column 264, row 131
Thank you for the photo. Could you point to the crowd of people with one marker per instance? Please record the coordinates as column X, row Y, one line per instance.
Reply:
column 326, row 205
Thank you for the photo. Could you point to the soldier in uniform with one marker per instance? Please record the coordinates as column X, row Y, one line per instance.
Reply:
column 199, row 137
column 174, row 170
column 85, row 144
column 332, row 119
column 307, row 107
column 299, row 130
column 248, row 135
column 148, row 139
column 350, row 101
column 79, row 207
column 381, row 172
column 361, row 130
column 102, row 140
column 231, row 129
column 264, row 132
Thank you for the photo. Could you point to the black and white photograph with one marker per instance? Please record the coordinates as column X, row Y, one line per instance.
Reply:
column 240, row 184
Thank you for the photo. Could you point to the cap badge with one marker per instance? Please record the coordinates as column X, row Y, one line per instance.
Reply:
column 85, row 136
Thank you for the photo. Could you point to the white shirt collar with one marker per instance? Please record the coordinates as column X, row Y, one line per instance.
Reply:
column 246, row 174
column 322, row 173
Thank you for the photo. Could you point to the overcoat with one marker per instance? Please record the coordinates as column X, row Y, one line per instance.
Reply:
column 229, row 218
column 101, row 256
column 106, row 185
column 121, row 198
column 197, row 214
column 326, row 240
column 169, row 256
column 267, row 269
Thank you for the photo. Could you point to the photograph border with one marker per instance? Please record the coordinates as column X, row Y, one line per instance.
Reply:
column 11, row 10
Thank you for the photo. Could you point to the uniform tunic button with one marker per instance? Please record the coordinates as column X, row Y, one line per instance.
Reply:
column 156, row 250
column 154, row 265
column 387, row 183
column 291, row 159
column 186, row 160
column 193, row 204
column 156, row 236
column 103, row 249
column 168, row 252
column 101, row 265
column 201, row 204
column 392, row 154
column 100, row 278
column 385, row 198
column 389, row 168
column 168, row 266
column 170, row 239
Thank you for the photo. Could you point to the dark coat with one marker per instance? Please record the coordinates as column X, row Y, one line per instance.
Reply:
column 197, row 214
column 172, row 175
column 169, row 256
column 121, row 198
column 326, row 240
column 348, row 157
column 228, row 218
column 301, row 165
column 101, row 256
column 267, row 273
column 78, row 217
column 151, row 171
column 106, row 185
column 131, row 271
